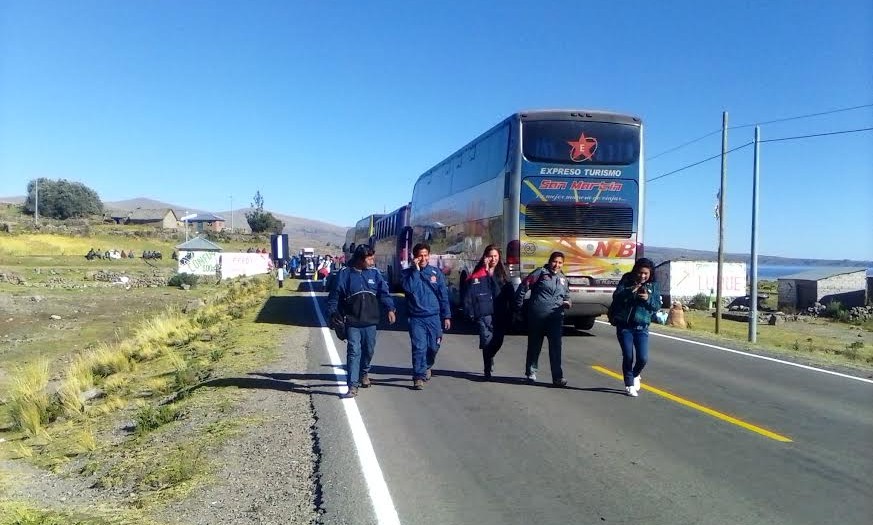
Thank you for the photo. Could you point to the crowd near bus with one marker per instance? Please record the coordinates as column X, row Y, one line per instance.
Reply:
column 535, row 223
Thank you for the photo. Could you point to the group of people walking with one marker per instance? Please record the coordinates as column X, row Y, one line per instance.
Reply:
column 491, row 301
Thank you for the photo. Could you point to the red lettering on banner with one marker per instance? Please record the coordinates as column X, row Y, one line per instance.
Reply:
column 547, row 184
column 604, row 247
column 627, row 249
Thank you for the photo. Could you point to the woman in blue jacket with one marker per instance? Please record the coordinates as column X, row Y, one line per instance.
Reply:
column 636, row 298
column 488, row 302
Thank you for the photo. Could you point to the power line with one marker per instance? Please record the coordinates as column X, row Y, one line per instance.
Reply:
column 785, row 119
column 819, row 134
column 683, row 168
column 802, row 116
column 680, row 146
column 798, row 137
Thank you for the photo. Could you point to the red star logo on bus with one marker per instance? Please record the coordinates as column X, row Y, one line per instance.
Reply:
column 582, row 149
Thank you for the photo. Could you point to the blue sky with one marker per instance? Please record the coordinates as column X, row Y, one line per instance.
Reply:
column 332, row 110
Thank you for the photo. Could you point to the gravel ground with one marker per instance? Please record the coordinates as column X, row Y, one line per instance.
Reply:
column 267, row 475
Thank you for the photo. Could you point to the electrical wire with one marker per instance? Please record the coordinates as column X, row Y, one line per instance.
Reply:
column 785, row 119
column 841, row 132
column 683, row 168
column 780, row 139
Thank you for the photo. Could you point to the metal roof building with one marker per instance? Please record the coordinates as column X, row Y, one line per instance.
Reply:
column 823, row 285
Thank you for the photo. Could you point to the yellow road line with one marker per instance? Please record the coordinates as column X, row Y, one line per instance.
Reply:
column 697, row 406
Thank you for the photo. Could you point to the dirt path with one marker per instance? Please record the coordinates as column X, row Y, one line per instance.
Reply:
column 267, row 473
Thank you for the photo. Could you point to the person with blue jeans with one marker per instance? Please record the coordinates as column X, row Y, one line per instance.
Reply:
column 427, row 303
column 635, row 300
column 355, row 299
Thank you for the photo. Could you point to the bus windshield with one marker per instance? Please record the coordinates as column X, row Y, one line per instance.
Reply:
column 581, row 142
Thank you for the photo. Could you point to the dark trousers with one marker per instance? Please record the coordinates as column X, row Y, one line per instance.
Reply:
column 544, row 327
column 491, row 332
column 425, row 333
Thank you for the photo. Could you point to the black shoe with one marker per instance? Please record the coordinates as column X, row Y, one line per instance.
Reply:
column 486, row 376
column 560, row 383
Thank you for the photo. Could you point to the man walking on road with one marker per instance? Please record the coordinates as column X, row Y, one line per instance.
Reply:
column 427, row 301
column 355, row 301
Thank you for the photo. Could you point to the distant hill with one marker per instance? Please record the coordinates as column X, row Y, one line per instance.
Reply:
column 660, row 254
column 146, row 203
column 301, row 232
column 12, row 200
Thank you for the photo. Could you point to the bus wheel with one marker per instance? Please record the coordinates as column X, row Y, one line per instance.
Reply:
column 584, row 323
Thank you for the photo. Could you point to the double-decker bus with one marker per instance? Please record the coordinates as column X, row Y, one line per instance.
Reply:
column 392, row 244
column 538, row 182
column 363, row 232
column 349, row 244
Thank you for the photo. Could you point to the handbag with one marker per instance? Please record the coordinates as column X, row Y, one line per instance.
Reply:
column 338, row 325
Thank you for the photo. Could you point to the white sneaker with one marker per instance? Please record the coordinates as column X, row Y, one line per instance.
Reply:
column 637, row 382
column 532, row 378
column 631, row 391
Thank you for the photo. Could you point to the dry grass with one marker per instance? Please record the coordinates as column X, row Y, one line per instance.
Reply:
column 106, row 360
column 29, row 402
column 84, row 440
column 115, row 383
column 29, row 244
column 824, row 340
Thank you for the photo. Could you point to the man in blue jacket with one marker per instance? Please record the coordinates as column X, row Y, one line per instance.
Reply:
column 355, row 298
column 427, row 302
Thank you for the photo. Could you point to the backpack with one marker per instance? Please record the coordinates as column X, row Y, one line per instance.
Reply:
column 611, row 313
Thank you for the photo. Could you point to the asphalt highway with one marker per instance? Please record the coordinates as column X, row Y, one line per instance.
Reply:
column 714, row 437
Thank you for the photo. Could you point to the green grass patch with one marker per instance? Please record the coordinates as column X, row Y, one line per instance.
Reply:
column 164, row 456
column 821, row 340
column 20, row 513
column 149, row 418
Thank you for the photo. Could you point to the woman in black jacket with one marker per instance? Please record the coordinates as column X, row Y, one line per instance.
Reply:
column 487, row 301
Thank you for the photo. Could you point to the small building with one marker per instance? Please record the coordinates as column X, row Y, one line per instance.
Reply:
column 160, row 218
column 823, row 285
column 207, row 222
column 198, row 256
column 681, row 280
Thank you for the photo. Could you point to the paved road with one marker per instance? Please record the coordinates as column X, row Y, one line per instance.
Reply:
column 463, row 451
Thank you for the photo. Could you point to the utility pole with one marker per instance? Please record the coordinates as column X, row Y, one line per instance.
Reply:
column 231, row 214
column 753, row 308
column 724, row 143
column 36, row 203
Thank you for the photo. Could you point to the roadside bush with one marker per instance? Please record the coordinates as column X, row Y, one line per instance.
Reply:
column 183, row 278
column 699, row 302
column 836, row 311
column 29, row 402
column 149, row 418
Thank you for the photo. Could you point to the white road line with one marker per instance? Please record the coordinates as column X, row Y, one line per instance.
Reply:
column 756, row 356
column 383, row 505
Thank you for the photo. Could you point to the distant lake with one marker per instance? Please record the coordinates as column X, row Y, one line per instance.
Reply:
column 771, row 273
